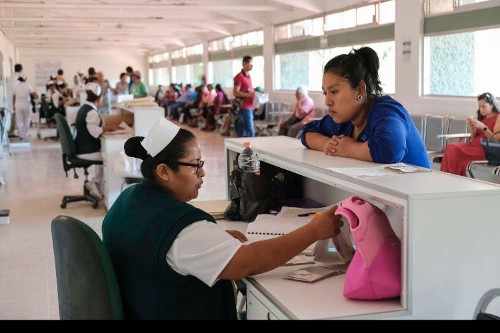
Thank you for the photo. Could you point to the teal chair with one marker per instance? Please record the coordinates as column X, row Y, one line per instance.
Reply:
column 71, row 161
column 87, row 287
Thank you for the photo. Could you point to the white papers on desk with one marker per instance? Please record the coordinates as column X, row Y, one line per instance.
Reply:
column 313, row 273
column 124, row 97
column 268, row 226
column 362, row 172
column 378, row 171
column 287, row 212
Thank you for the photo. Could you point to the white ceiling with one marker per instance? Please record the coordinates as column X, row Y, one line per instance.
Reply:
column 145, row 25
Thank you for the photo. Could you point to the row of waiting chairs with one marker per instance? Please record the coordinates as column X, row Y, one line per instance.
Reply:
column 269, row 115
column 436, row 131
column 275, row 113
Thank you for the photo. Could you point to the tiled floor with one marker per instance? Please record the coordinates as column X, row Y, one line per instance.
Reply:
column 35, row 184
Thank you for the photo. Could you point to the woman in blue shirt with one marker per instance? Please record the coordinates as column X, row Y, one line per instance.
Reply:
column 363, row 124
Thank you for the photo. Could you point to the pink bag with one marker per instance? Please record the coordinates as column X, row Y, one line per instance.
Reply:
column 375, row 270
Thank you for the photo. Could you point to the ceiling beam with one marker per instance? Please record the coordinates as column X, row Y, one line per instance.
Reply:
column 91, row 29
column 313, row 6
column 158, row 19
column 134, row 7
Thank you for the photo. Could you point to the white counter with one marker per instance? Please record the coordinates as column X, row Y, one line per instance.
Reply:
column 112, row 145
column 447, row 225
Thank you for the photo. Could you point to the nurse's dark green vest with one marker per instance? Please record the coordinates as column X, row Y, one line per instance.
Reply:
column 85, row 143
column 138, row 231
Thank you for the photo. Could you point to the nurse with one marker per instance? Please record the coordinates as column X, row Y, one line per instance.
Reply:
column 171, row 259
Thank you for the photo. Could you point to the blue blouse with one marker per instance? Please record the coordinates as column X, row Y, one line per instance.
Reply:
column 391, row 134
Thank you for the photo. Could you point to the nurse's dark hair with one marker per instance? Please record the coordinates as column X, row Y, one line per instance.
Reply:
column 91, row 97
column 172, row 153
column 356, row 66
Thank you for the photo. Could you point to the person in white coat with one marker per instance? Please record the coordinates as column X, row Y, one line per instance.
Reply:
column 13, row 81
column 22, row 106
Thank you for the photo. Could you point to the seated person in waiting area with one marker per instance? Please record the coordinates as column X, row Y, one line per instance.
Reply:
column 89, row 128
column 458, row 154
column 362, row 123
column 172, row 260
column 302, row 114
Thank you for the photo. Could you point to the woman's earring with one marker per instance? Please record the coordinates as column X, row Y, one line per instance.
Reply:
column 359, row 97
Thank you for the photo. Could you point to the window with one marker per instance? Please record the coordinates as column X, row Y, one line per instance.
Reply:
column 226, row 54
column 158, row 69
column 306, row 68
column 460, row 48
column 436, row 7
column 309, row 27
column 462, row 64
column 187, row 74
column 299, row 69
column 180, row 74
column 382, row 13
column 223, row 71
column 228, row 43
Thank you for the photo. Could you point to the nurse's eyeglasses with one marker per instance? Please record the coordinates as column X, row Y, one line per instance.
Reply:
column 193, row 165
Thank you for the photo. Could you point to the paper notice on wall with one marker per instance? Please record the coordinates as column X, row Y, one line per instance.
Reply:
column 44, row 69
column 406, row 50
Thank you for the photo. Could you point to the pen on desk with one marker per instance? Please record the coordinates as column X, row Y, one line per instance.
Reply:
column 309, row 214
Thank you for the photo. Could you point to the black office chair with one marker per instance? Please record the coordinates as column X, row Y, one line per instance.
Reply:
column 70, row 161
column 480, row 312
column 87, row 287
column 47, row 113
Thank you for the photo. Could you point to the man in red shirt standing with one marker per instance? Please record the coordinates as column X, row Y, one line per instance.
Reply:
column 243, row 89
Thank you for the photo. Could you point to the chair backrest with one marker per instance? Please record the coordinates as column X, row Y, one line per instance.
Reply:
column 45, row 108
column 434, row 125
column 419, row 121
column 480, row 312
column 86, row 282
column 67, row 142
column 457, row 125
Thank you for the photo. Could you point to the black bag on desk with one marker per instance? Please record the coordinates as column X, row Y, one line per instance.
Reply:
column 253, row 194
column 491, row 149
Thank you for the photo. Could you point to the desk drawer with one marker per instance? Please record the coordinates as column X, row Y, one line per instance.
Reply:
column 256, row 310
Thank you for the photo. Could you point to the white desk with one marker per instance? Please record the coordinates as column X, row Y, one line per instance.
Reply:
column 144, row 116
column 448, row 230
column 112, row 145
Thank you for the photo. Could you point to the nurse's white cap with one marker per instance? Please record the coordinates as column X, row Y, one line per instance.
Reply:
column 159, row 136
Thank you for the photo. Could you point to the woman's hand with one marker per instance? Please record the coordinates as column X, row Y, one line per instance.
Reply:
column 238, row 235
column 475, row 123
column 328, row 147
column 340, row 145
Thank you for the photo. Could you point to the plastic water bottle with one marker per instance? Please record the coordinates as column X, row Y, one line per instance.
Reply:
column 248, row 161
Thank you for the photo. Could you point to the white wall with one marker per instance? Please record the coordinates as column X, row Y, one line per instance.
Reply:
column 110, row 62
column 7, row 67
column 8, row 52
